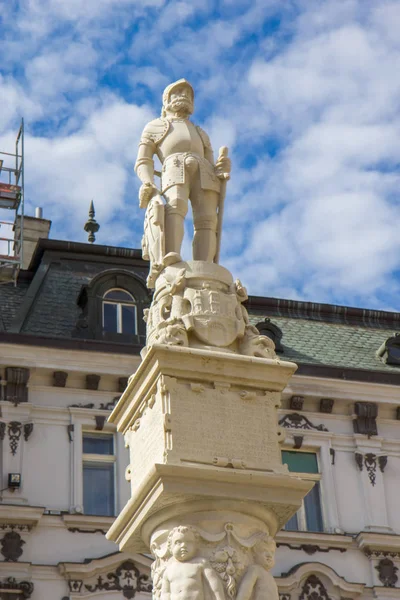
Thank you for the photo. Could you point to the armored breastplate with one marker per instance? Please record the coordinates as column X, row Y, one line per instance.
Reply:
column 181, row 137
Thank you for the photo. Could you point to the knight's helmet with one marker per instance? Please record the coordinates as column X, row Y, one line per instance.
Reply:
column 168, row 90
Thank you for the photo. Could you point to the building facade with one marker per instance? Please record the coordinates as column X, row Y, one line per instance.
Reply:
column 71, row 332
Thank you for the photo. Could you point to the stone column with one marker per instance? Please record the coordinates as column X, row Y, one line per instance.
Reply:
column 208, row 488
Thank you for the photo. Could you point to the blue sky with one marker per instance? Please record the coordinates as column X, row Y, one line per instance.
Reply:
column 305, row 93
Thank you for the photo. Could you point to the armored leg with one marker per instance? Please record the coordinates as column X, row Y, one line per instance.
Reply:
column 175, row 211
column 205, row 203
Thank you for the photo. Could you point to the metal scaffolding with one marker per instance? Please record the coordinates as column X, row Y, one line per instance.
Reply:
column 12, row 201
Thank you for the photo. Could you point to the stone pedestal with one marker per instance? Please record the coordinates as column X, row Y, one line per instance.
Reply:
column 205, row 467
column 208, row 488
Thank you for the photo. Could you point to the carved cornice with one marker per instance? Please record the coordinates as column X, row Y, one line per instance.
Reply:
column 19, row 518
column 77, row 523
column 379, row 545
column 311, row 548
column 15, row 527
column 297, row 421
column 323, row 541
column 381, row 553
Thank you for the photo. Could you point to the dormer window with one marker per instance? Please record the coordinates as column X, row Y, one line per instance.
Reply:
column 119, row 312
column 112, row 306
column 389, row 352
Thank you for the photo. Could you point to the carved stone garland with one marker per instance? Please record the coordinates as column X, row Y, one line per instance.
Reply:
column 313, row 589
column 387, row 572
column 126, row 579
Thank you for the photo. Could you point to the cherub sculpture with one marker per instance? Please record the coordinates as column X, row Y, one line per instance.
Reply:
column 186, row 573
column 258, row 583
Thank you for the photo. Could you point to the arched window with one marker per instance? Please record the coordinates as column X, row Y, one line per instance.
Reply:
column 119, row 312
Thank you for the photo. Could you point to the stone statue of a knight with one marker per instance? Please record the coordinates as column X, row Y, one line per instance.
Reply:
column 196, row 303
column 188, row 172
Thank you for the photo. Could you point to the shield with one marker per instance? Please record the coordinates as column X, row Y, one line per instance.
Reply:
column 215, row 316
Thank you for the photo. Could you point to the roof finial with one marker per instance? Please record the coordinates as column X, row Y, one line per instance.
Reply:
column 91, row 225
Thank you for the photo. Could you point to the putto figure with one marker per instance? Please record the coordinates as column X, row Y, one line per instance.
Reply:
column 188, row 172
column 258, row 583
column 186, row 574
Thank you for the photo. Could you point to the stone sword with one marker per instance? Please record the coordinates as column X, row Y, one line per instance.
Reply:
column 223, row 153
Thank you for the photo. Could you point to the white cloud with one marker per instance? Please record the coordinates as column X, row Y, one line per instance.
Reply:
column 63, row 174
column 309, row 110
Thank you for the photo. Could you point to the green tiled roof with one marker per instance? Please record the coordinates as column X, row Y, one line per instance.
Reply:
column 331, row 344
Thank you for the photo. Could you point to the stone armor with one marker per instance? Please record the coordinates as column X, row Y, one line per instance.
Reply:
column 180, row 146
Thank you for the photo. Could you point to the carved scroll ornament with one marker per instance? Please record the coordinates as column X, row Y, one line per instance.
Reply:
column 126, row 579
column 11, row 546
column 313, row 589
column 371, row 461
column 387, row 572
column 16, row 589
column 297, row 421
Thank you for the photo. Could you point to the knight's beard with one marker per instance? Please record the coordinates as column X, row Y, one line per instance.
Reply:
column 181, row 108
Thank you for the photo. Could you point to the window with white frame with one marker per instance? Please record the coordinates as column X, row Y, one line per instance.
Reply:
column 309, row 516
column 119, row 312
column 98, row 470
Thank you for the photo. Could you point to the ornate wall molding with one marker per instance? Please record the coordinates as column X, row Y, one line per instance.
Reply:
column 371, row 461
column 297, row 421
column 60, row 378
column 365, row 421
column 381, row 553
column 310, row 548
column 296, row 403
column 387, row 572
column 294, row 582
column 313, row 589
column 16, row 389
column 92, row 381
column 15, row 527
column 326, row 405
column 11, row 546
column 126, row 579
column 15, row 589
column 103, row 405
column 15, row 430
column 75, row 585
column 14, row 434
column 79, row 530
